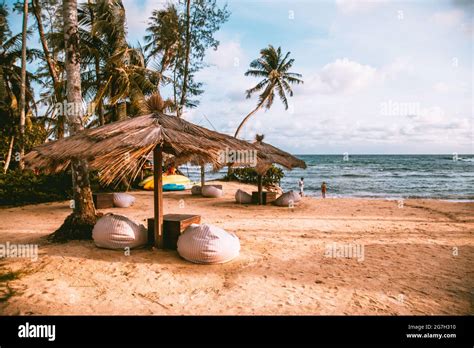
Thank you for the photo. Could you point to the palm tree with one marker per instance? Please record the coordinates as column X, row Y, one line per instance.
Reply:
column 53, row 70
column 163, row 37
column 11, row 82
column 162, row 41
column 23, row 84
column 56, row 89
column 79, row 224
column 273, row 68
column 187, row 52
column 118, row 72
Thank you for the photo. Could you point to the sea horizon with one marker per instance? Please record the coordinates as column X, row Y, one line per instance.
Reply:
column 377, row 176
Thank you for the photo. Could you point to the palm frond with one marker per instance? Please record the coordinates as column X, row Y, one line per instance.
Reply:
column 256, row 88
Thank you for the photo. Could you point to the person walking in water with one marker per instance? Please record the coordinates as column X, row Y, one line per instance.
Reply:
column 301, row 185
column 323, row 189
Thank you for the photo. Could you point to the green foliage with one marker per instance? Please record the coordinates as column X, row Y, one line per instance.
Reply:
column 167, row 40
column 10, row 85
column 249, row 176
column 273, row 68
column 35, row 135
column 18, row 188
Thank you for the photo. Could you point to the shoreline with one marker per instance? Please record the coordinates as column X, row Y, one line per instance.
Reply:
column 355, row 198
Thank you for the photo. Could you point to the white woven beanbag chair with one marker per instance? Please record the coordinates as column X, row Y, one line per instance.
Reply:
column 196, row 190
column 208, row 244
column 211, row 191
column 285, row 199
column 123, row 200
column 118, row 232
column 243, row 197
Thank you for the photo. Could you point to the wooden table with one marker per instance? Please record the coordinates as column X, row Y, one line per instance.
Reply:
column 103, row 200
column 267, row 197
column 173, row 226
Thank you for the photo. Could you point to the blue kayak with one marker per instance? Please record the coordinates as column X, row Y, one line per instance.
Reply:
column 173, row 187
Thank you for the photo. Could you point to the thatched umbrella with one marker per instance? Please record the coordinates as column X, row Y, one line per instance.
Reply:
column 273, row 155
column 120, row 149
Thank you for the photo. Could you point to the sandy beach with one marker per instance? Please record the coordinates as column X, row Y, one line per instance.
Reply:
column 417, row 259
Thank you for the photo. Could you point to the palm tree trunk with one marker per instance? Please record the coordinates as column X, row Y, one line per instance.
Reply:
column 186, row 62
column 100, row 111
column 203, row 173
column 51, row 66
column 260, row 185
column 23, row 85
column 246, row 118
column 121, row 110
column 175, row 92
column 9, row 155
column 61, row 126
column 100, row 108
column 79, row 224
column 259, row 106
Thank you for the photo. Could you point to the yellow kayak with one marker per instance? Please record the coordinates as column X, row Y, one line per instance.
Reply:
column 167, row 179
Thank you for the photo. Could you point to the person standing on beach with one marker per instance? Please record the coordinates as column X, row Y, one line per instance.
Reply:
column 323, row 189
column 301, row 185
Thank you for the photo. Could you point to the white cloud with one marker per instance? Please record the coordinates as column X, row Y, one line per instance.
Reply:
column 397, row 68
column 443, row 87
column 448, row 18
column 138, row 14
column 454, row 19
column 228, row 55
column 351, row 6
column 341, row 76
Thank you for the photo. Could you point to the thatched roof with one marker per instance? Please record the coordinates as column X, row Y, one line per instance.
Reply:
column 119, row 149
column 275, row 155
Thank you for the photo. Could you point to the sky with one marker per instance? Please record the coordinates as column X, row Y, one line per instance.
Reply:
column 380, row 77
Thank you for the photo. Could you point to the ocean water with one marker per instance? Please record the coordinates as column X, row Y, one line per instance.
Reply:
column 378, row 176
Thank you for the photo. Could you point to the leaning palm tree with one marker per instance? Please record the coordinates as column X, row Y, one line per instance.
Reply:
column 273, row 68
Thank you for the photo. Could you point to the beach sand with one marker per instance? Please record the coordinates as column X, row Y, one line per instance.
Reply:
column 418, row 259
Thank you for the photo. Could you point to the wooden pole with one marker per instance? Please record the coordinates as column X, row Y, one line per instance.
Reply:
column 202, row 176
column 260, row 198
column 158, row 194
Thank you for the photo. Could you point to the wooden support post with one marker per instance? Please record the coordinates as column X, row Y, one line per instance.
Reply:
column 158, row 194
column 202, row 176
column 260, row 198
